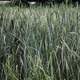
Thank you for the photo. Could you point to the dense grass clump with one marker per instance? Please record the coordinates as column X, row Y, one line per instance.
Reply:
column 40, row 43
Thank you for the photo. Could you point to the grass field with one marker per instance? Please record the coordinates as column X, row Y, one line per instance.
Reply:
column 40, row 43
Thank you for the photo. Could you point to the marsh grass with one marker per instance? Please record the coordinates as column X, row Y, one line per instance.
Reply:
column 40, row 43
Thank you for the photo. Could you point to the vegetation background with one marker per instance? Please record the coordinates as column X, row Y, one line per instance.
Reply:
column 40, row 42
